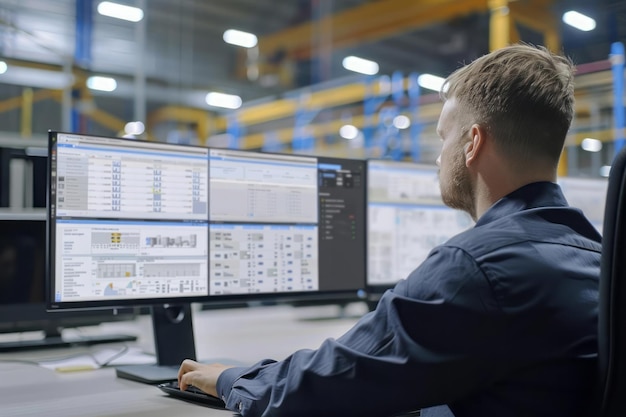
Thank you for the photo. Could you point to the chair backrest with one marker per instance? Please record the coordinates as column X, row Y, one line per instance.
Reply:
column 612, row 298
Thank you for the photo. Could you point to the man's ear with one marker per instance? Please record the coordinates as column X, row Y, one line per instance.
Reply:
column 475, row 145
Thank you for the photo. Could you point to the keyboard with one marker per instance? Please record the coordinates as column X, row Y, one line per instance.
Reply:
column 191, row 394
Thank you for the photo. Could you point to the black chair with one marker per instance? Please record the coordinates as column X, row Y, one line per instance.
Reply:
column 612, row 299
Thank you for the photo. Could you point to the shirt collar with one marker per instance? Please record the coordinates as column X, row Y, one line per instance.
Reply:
column 537, row 194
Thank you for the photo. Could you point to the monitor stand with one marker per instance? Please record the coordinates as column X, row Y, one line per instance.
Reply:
column 174, row 342
column 53, row 339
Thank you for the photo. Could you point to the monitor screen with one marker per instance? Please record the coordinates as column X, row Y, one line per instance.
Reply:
column 128, row 222
column 406, row 219
column 286, row 224
column 22, row 284
column 135, row 222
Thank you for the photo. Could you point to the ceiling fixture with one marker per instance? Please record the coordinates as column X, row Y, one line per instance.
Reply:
column 3, row 67
column 401, row 122
column 134, row 128
column 579, row 21
column 120, row 11
column 591, row 145
column 431, row 82
column 348, row 132
column 240, row 38
column 101, row 83
column 605, row 171
column 360, row 65
column 226, row 101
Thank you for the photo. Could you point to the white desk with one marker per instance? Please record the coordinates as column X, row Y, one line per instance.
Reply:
column 246, row 335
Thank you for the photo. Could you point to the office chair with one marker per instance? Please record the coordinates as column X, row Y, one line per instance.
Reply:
column 612, row 298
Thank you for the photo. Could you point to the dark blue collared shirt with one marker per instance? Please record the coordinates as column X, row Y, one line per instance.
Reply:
column 499, row 321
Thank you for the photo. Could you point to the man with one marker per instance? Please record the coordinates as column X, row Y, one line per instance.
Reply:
column 498, row 321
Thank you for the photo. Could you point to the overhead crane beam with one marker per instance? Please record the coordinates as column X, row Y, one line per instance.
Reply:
column 369, row 22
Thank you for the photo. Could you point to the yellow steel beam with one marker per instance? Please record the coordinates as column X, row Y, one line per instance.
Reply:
column 368, row 22
column 11, row 104
column 500, row 24
column 26, row 120
column 536, row 15
column 105, row 119
column 201, row 118
column 604, row 135
column 16, row 102
column 421, row 14
column 279, row 109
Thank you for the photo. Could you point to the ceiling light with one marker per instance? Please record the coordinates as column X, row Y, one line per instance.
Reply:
column 120, row 11
column 348, row 132
column 591, row 145
column 401, row 121
column 227, row 101
column 431, row 82
column 579, row 21
column 134, row 128
column 360, row 65
column 239, row 38
column 101, row 83
column 3, row 67
column 605, row 170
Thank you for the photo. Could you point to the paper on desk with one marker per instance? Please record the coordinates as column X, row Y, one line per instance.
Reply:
column 93, row 360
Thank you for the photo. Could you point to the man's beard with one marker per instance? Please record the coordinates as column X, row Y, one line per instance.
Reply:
column 458, row 191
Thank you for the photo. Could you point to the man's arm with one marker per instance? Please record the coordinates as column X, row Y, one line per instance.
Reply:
column 406, row 354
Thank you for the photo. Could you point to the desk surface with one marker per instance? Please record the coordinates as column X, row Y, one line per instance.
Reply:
column 245, row 335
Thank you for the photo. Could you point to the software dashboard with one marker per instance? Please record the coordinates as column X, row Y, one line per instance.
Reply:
column 129, row 219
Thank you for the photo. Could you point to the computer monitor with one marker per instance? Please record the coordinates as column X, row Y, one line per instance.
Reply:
column 136, row 222
column 406, row 219
column 24, row 320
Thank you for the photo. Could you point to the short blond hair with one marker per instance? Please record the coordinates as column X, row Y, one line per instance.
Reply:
column 524, row 96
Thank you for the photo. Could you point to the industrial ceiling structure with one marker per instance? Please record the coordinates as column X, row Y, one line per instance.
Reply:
column 165, row 64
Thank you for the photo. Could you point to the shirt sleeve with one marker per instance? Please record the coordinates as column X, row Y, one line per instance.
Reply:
column 398, row 357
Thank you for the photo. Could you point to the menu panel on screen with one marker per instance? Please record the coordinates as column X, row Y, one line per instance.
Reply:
column 406, row 219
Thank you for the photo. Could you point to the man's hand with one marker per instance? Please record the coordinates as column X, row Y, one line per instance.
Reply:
column 200, row 375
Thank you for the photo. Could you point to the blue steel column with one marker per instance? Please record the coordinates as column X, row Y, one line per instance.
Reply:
column 396, row 148
column 140, row 70
column 617, row 66
column 82, row 51
column 371, row 103
column 303, row 139
column 414, row 109
column 369, row 108
column 271, row 142
column 234, row 130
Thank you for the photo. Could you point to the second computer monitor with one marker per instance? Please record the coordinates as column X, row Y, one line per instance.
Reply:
column 406, row 220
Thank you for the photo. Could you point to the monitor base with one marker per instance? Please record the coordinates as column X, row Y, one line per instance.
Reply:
column 59, row 342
